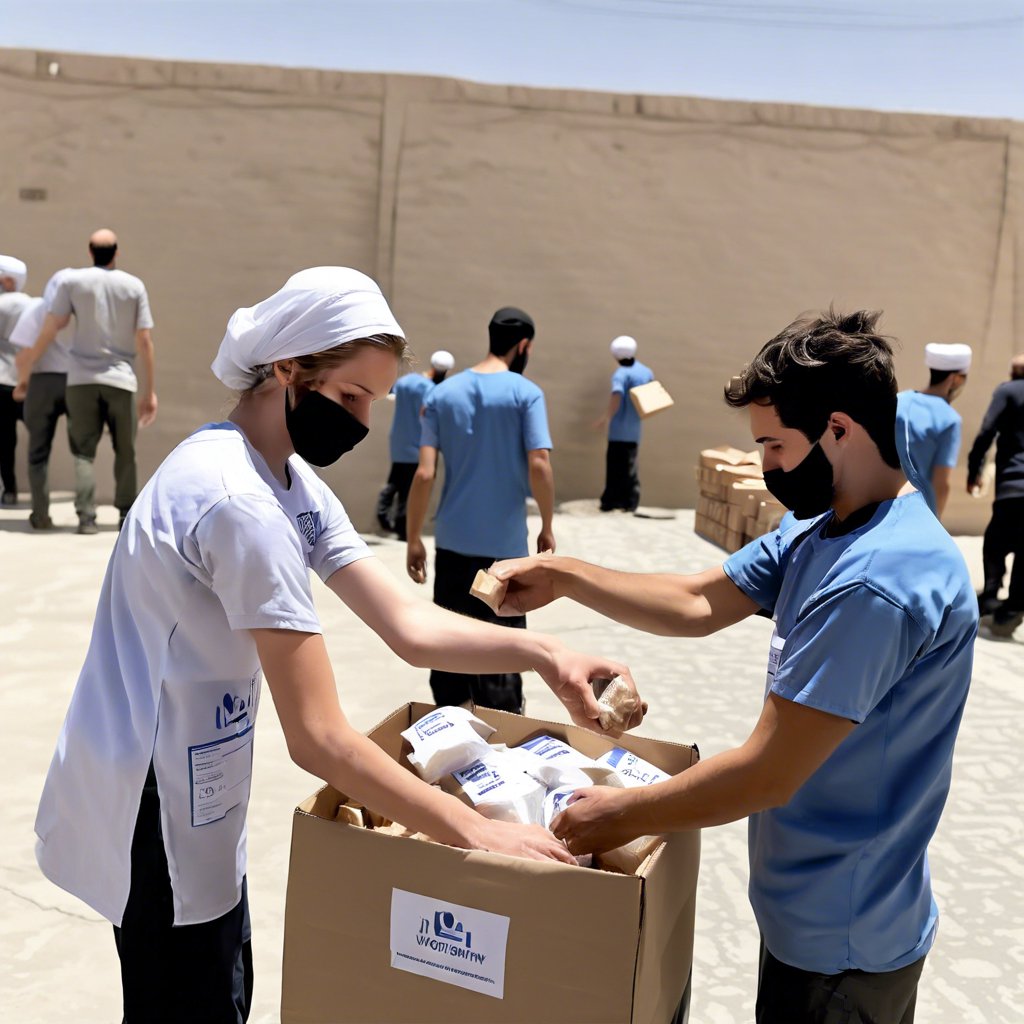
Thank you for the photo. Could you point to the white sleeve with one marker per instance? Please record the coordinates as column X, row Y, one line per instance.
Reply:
column 256, row 565
column 338, row 544
column 29, row 324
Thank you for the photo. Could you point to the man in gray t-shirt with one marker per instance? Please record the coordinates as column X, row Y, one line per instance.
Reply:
column 112, row 331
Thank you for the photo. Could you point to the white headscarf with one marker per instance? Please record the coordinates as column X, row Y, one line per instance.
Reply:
column 11, row 266
column 442, row 360
column 623, row 347
column 947, row 357
column 316, row 310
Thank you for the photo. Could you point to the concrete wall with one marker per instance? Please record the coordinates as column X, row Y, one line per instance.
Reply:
column 701, row 227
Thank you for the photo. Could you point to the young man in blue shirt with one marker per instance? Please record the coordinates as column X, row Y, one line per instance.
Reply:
column 928, row 429
column 409, row 393
column 846, row 771
column 490, row 425
column 622, row 484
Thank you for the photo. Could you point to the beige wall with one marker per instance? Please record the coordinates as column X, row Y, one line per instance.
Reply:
column 700, row 227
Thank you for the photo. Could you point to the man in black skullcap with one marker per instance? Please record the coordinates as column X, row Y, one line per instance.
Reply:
column 490, row 425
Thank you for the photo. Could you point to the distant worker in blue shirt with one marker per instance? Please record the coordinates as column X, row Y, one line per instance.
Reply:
column 410, row 392
column 490, row 425
column 621, row 483
column 845, row 774
column 928, row 429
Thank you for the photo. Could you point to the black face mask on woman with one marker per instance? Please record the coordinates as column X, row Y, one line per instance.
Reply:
column 807, row 489
column 321, row 430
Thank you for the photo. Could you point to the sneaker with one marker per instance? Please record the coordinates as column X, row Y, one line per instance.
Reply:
column 1005, row 621
column 9, row 498
column 87, row 527
column 40, row 521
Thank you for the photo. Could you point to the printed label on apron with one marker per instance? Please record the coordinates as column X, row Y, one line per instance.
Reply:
column 774, row 656
column 219, row 775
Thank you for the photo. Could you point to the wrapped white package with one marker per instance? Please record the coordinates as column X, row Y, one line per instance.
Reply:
column 445, row 740
column 556, row 764
column 499, row 789
column 554, row 804
column 633, row 770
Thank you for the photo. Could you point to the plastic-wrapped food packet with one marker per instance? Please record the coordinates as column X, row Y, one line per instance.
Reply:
column 498, row 787
column 554, row 804
column 445, row 740
column 556, row 764
column 633, row 770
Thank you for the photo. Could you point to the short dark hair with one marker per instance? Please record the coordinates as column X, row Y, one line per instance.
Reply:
column 941, row 376
column 821, row 365
column 508, row 327
column 627, row 362
column 103, row 255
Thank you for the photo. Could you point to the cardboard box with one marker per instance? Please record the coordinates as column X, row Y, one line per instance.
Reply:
column 581, row 946
column 726, row 455
column 650, row 398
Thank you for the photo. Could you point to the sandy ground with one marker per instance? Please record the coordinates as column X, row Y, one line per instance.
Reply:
column 58, row 959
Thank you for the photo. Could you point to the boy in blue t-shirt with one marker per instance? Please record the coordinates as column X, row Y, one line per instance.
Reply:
column 409, row 393
column 490, row 425
column 927, row 428
column 846, row 772
column 622, row 484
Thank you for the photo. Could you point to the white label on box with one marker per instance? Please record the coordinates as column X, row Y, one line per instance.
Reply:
column 448, row 942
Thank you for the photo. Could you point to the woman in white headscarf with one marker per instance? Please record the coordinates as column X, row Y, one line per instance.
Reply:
column 143, row 812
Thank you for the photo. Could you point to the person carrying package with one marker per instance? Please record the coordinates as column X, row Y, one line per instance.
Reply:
column 44, row 399
column 622, row 483
column 409, row 393
column 13, row 302
column 846, row 771
column 207, row 589
column 927, row 427
column 1004, row 534
column 490, row 425
column 113, row 329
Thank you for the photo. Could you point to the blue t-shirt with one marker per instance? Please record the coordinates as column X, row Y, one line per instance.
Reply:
column 927, row 435
column 625, row 424
column 484, row 424
column 876, row 626
column 410, row 394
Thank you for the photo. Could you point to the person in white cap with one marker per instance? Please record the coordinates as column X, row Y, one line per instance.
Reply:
column 144, row 807
column 410, row 393
column 622, row 484
column 927, row 426
column 13, row 301
column 44, row 401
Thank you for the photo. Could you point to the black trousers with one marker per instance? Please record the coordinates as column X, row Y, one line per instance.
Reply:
column 453, row 576
column 392, row 499
column 621, row 483
column 193, row 974
column 788, row 995
column 10, row 413
column 1004, row 536
column 44, row 406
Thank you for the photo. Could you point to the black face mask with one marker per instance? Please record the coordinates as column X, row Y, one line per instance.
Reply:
column 321, row 430
column 519, row 361
column 807, row 488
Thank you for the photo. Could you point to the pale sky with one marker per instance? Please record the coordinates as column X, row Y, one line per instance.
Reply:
column 937, row 56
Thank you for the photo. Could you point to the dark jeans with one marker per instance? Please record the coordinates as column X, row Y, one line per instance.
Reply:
column 10, row 413
column 621, row 483
column 1004, row 535
column 90, row 408
column 392, row 499
column 192, row 974
column 44, row 406
column 453, row 576
column 788, row 995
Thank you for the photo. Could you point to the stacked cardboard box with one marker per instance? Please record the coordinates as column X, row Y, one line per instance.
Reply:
column 734, row 505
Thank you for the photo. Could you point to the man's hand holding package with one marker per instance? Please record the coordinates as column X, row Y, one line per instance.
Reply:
column 596, row 820
column 530, row 585
column 416, row 561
